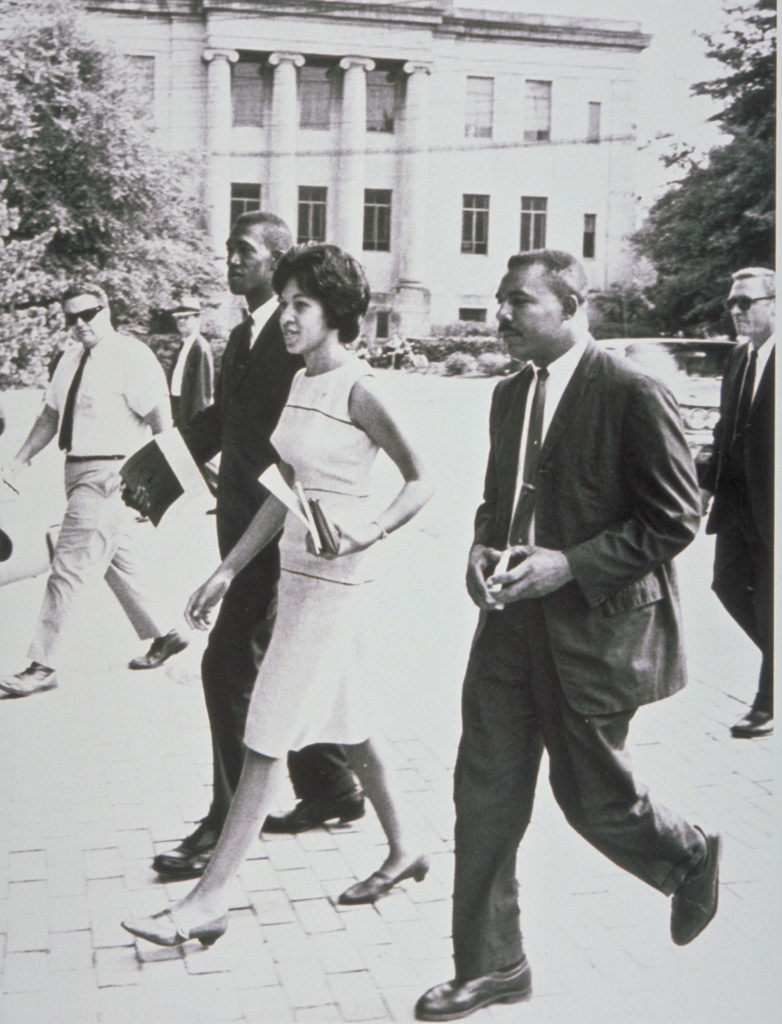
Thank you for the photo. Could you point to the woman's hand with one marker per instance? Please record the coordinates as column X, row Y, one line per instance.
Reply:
column 354, row 536
column 199, row 607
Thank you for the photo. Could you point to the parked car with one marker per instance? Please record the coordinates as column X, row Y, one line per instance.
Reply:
column 692, row 368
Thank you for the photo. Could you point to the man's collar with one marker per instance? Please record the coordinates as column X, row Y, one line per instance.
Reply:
column 261, row 316
column 567, row 362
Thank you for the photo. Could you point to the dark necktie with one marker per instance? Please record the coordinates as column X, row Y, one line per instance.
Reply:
column 747, row 389
column 243, row 345
column 65, row 440
column 525, row 506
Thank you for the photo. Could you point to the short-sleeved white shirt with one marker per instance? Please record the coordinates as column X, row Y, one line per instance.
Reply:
column 122, row 383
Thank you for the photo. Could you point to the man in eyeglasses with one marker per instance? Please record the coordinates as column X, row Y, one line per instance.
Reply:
column 740, row 474
column 106, row 395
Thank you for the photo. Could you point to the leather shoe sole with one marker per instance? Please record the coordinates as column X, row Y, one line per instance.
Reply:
column 183, row 867
column 161, row 650
column 695, row 901
column 309, row 814
column 453, row 1000
column 753, row 724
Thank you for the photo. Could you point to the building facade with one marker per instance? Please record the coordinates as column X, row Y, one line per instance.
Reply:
column 430, row 141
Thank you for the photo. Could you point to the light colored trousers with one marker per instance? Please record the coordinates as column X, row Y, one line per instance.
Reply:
column 97, row 541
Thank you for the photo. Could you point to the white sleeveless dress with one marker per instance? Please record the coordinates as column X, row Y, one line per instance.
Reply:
column 311, row 687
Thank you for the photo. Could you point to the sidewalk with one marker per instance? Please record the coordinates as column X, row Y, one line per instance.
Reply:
column 115, row 765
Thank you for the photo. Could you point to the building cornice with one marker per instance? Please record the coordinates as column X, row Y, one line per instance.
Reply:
column 440, row 17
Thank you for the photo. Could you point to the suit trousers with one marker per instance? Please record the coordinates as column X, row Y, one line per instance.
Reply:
column 236, row 646
column 743, row 567
column 98, row 539
column 513, row 706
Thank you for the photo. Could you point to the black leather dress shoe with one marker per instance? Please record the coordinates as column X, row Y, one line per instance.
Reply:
column 754, row 723
column 190, row 858
column 161, row 650
column 695, row 901
column 454, row 999
column 309, row 814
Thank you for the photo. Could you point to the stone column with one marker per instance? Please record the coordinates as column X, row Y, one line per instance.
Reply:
column 218, row 142
column 413, row 297
column 283, row 196
column 350, row 183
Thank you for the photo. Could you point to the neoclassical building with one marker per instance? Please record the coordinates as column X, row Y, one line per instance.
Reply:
column 430, row 141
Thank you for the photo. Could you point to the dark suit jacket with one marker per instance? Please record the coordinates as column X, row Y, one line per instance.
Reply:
column 616, row 491
column 197, row 383
column 239, row 424
column 758, row 449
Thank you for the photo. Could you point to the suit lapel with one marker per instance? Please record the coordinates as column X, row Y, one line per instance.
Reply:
column 765, row 387
column 572, row 398
column 510, row 432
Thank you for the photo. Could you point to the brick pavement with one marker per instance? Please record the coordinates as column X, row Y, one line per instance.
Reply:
column 115, row 765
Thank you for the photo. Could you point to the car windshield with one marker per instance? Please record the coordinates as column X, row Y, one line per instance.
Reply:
column 673, row 358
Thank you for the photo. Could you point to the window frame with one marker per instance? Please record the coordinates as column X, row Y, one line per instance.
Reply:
column 474, row 110
column 237, row 72
column 589, row 237
column 246, row 203
column 532, row 119
column 374, row 238
column 534, row 213
column 315, row 201
column 325, row 82
column 475, row 222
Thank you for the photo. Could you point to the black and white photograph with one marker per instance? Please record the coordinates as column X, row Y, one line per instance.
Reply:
column 387, row 512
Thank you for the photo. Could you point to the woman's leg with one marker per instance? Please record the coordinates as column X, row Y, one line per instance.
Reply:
column 251, row 801
column 368, row 766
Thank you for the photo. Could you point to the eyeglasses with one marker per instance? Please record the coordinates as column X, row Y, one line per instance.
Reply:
column 744, row 301
column 85, row 315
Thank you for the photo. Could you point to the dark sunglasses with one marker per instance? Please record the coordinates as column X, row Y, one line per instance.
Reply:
column 86, row 316
column 744, row 301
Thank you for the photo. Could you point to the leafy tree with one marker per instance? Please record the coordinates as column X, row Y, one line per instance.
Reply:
column 720, row 215
column 86, row 189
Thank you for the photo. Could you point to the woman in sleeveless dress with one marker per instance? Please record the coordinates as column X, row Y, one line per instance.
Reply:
column 311, row 684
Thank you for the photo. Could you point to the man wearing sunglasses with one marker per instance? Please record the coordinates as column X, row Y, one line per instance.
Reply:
column 105, row 396
column 740, row 474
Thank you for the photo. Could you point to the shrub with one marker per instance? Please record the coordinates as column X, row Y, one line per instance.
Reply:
column 459, row 363
column 493, row 364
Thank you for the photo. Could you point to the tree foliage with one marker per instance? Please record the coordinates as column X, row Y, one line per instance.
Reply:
column 720, row 215
column 87, row 191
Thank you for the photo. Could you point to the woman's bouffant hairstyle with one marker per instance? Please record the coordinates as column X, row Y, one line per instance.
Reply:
column 333, row 277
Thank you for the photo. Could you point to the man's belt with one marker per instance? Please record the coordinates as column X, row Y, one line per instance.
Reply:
column 93, row 458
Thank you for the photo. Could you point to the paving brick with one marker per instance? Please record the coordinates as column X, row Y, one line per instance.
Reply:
column 68, row 913
column 26, row 865
column 117, row 967
column 304, row 983
column 300, row 884
column 28, row 932
column 260, row 1005
column 273, row 907
column 357, row 996
column 25, row 972
column 317, row 916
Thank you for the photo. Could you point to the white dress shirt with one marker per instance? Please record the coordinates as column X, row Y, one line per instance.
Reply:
column 261, row 316
column 122, row 383
column 559, row 375
column 179, row 367
column 764, row 354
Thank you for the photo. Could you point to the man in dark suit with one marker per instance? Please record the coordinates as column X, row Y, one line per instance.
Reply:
column 740, row 474
column 590, row 492
column 254, row 383
column 191, row 378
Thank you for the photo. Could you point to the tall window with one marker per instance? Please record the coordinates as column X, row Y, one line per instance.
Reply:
column 537, row 111
column 381, row 101
column 475, row 224
column 245, row 197
column 312, row 214
column 479, row 116
column 593, row 122
column 247, row 94
column 590, row 236
column 377, row 219
column 533, row 223
column 314, row 97
column 382, row 324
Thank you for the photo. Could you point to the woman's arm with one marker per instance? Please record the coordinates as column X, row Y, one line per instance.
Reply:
column 369, row 412
column 264, row 527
